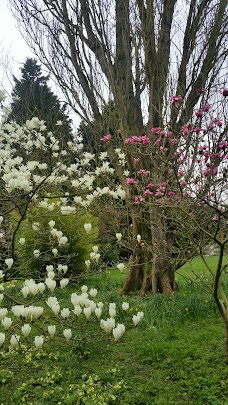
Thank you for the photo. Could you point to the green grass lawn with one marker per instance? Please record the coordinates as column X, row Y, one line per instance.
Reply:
column 174, row 357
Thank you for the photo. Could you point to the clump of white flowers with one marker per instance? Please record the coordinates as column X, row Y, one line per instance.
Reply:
column 18, row 320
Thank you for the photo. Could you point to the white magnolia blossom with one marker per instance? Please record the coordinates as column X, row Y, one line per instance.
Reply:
column 118, row 331
column 125, row 306
column 68, row 334
column 3, row 313
column 38, row 341
column 14, row 341
column 6, row 322
column 26, row 329
column 2, row 339
column 52, row 330
column 87, row 227
column 118, row 236
column 64, row 282
column 9, row 262
column 120, row 266
column 65, row 313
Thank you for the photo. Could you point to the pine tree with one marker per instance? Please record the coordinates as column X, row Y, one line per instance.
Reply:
column 32, row 97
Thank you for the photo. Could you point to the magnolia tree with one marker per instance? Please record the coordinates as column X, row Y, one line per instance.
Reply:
column 23, row 185
column 188, row 184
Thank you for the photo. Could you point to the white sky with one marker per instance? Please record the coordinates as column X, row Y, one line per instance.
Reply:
column 13, row 53
column 13, row 48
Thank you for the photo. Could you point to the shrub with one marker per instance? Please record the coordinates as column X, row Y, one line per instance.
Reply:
column 37, row 234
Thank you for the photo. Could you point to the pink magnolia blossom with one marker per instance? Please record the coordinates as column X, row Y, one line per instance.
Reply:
column 156, row 130
column 150, row 185
column 175, row 141
column 206, row 107
column 171, row 193
column 148, row 193
column 158, row 141
column 169, row 134
column 139, row 199
column 176, row 100
column 200, row 90
column 185, row 130
column 144, row 172
column 197, row 130
column 142, row 244
column 145, row 140
column 106, row 138
column 198, row 114
column 136, row 160
column 215, row 218
column 225, row 92
column 130, row 181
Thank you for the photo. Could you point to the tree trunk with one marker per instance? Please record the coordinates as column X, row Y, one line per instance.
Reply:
column 161, row 278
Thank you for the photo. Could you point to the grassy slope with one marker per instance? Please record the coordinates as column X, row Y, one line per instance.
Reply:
column 175, row 356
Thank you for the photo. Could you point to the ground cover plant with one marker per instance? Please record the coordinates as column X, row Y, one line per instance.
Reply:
column 175, row 355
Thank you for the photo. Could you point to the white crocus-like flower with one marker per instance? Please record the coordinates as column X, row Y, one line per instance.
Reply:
column 51, row 224
column 9, row 262
column 100, row 305
column 25, row 291
column 139, row 238
column 77, row 310
column 118, row 331
column 65, row 313
column 87, row 312
column 6, row 322
column 64, row 282
column 118, row 236
column 120, row 267
column 2, row 339
column 51, row 301
column 136, row 319
column 1, row 219
column 87, row 263
column 112, row 312
column 22, row 241
column 125, row 306
column 39, row 341
column 87, row 228
column 63, row 240
column 93, row 292
column 36, row 253
column 50, row 283
column 55, row 308
column 55, row 252
column 84, row 288
column 98, row 312
column 14, row 341
column 52, row 330
column 50, row 267
column 3, row 313
column 26, row 329
column 140, row 315
column 67, row 334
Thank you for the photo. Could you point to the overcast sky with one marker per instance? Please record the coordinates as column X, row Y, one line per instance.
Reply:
column 13, row 49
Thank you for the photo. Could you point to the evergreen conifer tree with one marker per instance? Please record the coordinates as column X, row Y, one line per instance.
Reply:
column 32, row 97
